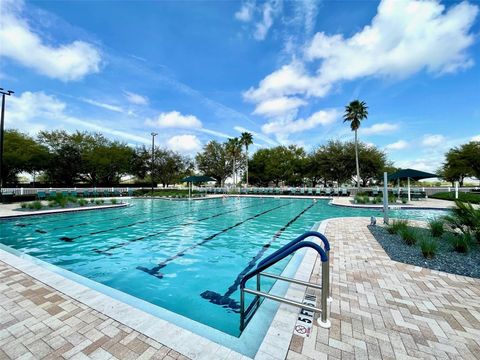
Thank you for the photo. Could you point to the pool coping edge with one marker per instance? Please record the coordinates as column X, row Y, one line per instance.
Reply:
column 173, row 336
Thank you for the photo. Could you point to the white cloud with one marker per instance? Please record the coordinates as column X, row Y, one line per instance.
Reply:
column 262, row 16
column 398, row 145
column 402, row 39
column 33, row 111
column 245, row 13
column 432, row 140
column 184, row 143
column 214, row 133
column 175, row 119
column 22, row 44
column 103, row 105
column 281, row 106
column 379, row 129
column 322, row 117
column 475, row 138
column 136, row 98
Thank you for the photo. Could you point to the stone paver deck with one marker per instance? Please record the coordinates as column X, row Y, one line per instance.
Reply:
column 383, row 309
column 38, row 322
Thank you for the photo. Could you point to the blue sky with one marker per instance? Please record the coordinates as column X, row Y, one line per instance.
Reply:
column 200, row 70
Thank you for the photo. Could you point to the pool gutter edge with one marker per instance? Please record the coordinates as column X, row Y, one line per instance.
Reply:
column 276, row 342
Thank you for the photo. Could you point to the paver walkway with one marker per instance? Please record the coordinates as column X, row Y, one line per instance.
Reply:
column 383, row 309
column 38, row 322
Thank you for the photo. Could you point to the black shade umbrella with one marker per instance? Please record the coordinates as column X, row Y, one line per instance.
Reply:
column 197, row 179
column 412, row 174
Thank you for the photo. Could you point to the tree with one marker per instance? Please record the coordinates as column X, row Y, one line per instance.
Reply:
column 170, row 166
column 65, row 163
column 140, row 166
column 278, row 164
column 355, row 112
column 246, row 139
column 22, row 154
column 213, row 161
column 234, row 150
column 461, row 162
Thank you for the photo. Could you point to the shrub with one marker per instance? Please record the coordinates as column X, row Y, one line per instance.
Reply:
column 37, row 205
column 23, row 205
column 82, row 202
column 359, row 199
column 98, row 202
column 392, row 199
column 52, row 203
column 460, row 242
column 113, row 201
column 404, row 200
column 429, row 247
column 465, row 218
column 436, row 227
column 92, row 201
column 408, row 235
column 396, row 226
column 472, row 198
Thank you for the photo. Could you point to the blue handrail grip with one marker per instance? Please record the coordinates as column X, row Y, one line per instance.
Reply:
column 297, row 240
column 281, row 256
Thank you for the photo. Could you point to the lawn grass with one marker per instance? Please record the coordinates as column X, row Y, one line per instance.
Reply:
column 462, row 196
column 165, row 193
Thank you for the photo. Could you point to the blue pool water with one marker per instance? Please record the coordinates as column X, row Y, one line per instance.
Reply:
column 186, row 257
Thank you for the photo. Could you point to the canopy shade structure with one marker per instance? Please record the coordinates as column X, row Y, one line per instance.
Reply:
column 411, row 174
column 197, row 179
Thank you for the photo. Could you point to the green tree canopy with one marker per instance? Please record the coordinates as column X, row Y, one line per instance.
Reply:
column 213, row 161
column 22, row 154
column 461, row 162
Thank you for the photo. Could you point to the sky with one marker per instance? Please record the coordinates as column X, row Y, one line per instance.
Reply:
column 195, row 71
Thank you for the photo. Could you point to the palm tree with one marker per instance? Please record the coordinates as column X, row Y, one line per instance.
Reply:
column 355, row 112
column 246, row 139
column 234, row 149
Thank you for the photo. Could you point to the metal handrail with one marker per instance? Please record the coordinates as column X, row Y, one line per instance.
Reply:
column 277, row 256
column 305, row 235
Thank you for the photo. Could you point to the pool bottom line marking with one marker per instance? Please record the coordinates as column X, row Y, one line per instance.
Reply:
column 70, row 239
column 155, row 271
column 116, row 246
column 225, row 300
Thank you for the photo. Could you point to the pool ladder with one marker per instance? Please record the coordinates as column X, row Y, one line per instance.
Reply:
column 299, row 243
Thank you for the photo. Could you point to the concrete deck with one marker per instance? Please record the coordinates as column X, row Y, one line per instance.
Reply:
column 414, row 204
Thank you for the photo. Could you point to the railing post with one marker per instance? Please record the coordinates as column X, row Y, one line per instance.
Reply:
column 242, row 309
column 257, row 298
column 328, row 289
column 324, row 322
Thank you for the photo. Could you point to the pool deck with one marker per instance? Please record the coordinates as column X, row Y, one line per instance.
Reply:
column 414, row 204
column 10, row 210
column 381, row 309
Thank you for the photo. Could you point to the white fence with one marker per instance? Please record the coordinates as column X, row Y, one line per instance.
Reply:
column 34, row 191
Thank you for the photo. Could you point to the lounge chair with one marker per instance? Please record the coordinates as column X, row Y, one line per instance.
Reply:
column 73, row 193
column 270, row 191
column 328, row 192
column 310, row 191
column 85, row 193
column 64, row 193
column 302, row 191
column 41, row 195
column 344, row 192
column 52, row 194
column 335, row 192
column 277, row 191
column 318, row 191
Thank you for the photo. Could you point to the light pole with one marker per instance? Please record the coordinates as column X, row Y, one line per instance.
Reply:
column 2, row 125
column 153, row 157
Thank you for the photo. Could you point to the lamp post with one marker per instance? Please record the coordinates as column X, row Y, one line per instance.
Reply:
column 153, row 157
column 2, row 125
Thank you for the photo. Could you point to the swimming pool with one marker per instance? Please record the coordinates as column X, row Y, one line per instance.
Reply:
column 184, row 256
